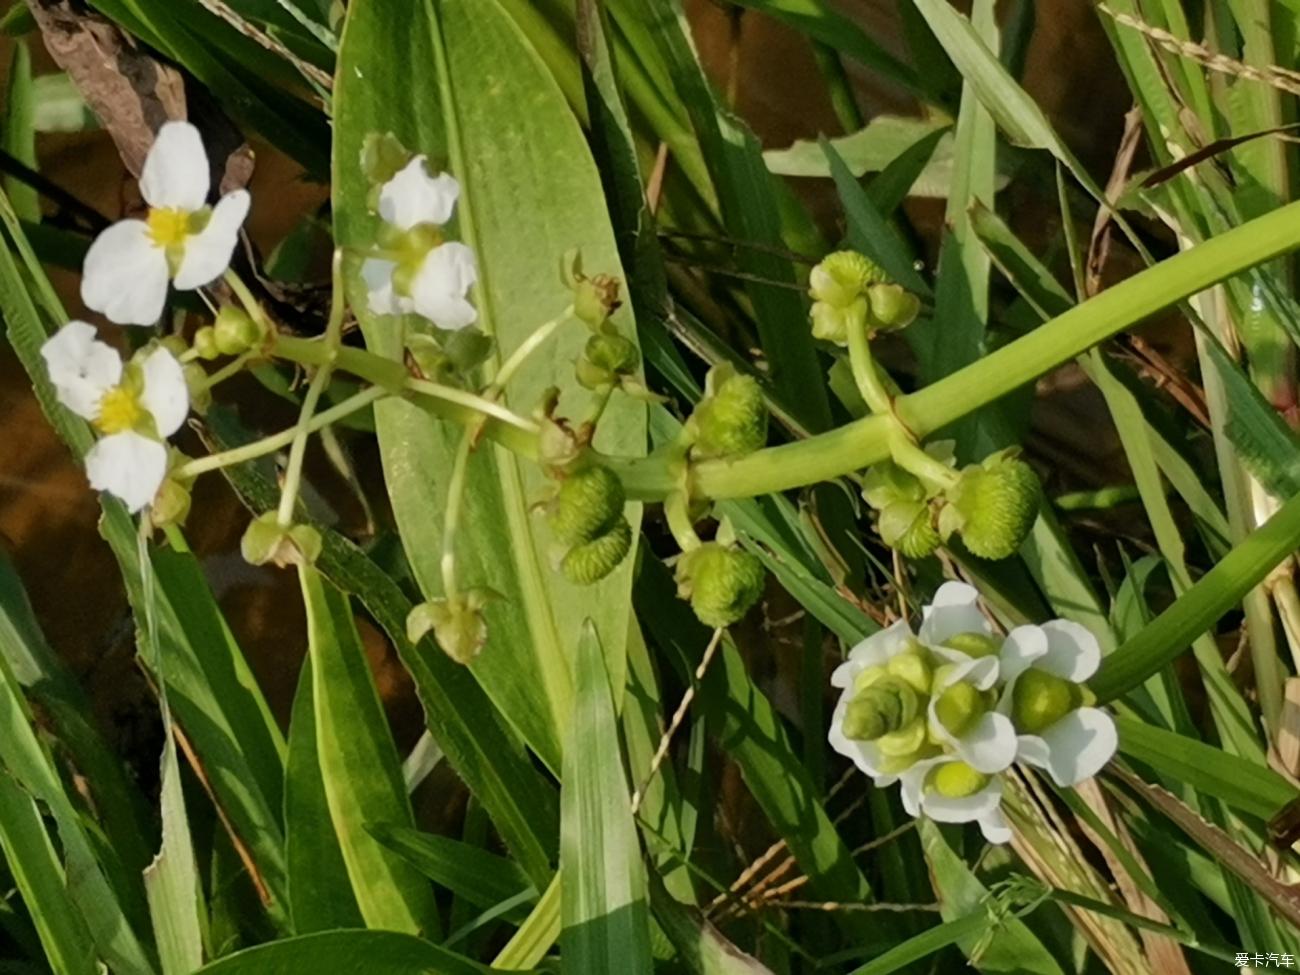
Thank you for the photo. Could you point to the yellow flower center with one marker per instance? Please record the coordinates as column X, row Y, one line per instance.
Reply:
column 119, row 410
column 957, row 780
column 169, row 226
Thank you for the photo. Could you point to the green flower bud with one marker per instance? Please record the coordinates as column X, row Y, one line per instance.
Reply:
column 171, row 505
column 721, row 583
column 459, row 625
column 956, row 780
column 731, row 419
column 265, row 541
column 908, row 527
column 907, row 741
column 842, row 278
column 886, row 483
column 959, row 707
column 1040, row 699
column 974, row 644
column 913, row 666
column 587, row 504
column 994, row 504
column 892, row 306
column 235, row 332
column 894, row 764
column 888, row 705
column 205, row 343
column 591, row 561
column 196, row 381
column 832, row 323
column 605, row 359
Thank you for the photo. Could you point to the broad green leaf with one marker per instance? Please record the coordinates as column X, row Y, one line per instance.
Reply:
column 320, row 893
column 699, row 944
column 604, row 901
column 1015, row 948
column 466, row 87
column 1244, row 785
column 871, row 149
column 172, row 880
column 461, row 718
column 360, row 768
column 482, row 878
column 372, row 952
column 925, row 944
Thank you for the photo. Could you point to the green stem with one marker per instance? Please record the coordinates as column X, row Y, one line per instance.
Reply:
column 451, row 520
column 865, row 373
column 298, row 449
column 863, row 442
column 526, row 348
column 277, row 441
column 231, row 368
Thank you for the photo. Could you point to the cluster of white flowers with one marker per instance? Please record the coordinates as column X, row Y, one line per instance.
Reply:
column 944, row 711
column 421, row 272
column 136, row 405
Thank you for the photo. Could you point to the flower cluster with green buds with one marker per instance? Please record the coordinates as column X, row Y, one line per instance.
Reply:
column 946, row 710
column 991, row 505
column 730, row 420
column 847, row 289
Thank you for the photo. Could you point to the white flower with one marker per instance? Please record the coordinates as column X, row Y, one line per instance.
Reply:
column 874, row 652
column 949, row 791
column 134, row 406
column 127, row 267
column 413, row 197
column 1044, row 668
column 427, row 276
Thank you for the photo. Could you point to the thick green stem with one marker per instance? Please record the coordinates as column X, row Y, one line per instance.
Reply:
column 455, row 497
column 863, row 442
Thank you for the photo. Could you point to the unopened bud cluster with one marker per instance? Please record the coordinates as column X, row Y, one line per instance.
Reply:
column 944, row 711
column 991, row 506
column 850, row 290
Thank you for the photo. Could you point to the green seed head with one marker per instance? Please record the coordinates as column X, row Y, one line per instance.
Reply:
column 592, row 561
column 908, row 527
column 893, row 307
column 587, row 505
column 832, row 323
column 842, row 278
column 887, row 483
column 721, row 583
column 996, row 503
column 731, row 419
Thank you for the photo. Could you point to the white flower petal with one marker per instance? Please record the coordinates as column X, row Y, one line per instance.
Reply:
column 81, row 367
column 1072, row 651
column 911, row 784
column 441, row 284
column 414, row 197
column 128, row 466
column 994, row 827
column 175, row 173
column 1079, row 745
column 207, row 253
column 125, row 274
column 881, row 645
column 166, row 395
column 1020, row 649
column 991, row 745
column 953, row 611
column 381, row 298
column 1032, row 750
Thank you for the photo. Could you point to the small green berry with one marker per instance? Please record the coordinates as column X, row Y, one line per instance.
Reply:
column 731, row 419
column 722, row 583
